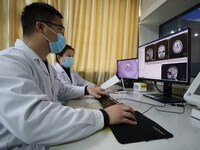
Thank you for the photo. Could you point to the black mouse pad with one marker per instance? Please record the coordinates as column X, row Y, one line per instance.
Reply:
column 145, row 130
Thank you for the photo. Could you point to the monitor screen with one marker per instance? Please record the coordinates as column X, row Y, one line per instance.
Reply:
column 166, row 59
column 128, row 68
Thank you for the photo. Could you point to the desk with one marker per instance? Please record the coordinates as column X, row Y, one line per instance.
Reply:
column 185, row 129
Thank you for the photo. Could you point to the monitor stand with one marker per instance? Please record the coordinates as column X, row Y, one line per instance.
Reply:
column 166, row 97
column 121, row 91
column 128, row 83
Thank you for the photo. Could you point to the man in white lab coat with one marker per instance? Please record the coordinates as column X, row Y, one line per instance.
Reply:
column 30, row 115
column 65, row 60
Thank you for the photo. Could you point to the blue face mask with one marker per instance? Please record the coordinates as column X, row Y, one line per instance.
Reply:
column 58, row 46
column 68, row 62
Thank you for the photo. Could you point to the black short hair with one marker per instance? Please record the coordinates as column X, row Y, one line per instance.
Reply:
column 63, row 51
column 34, row 12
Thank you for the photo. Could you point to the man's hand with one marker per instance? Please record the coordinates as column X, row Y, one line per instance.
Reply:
column 96, row 91
column 121, row 113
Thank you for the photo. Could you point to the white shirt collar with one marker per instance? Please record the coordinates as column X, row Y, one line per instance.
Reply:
column 59, row 68
column 22, row 46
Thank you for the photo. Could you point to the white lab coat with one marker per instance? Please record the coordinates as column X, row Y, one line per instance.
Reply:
column 77, row 80
column 29, row 109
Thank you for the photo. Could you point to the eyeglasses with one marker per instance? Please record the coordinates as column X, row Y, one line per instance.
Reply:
column 61, row 28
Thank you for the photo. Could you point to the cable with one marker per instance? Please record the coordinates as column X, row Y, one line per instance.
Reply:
column 156, row 86
column 152, row 105
column 175, row 112
column 155, row 106
column 128, row 99
column 147, row 110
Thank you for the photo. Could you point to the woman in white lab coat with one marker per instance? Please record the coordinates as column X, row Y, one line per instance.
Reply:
column 65, row 60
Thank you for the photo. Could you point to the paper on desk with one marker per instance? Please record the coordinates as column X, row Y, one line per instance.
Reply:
column 110, row 82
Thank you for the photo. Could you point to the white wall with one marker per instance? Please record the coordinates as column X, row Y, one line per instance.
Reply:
column 147, row 33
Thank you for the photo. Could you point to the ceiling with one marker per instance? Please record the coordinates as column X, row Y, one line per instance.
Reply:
column 169, row 10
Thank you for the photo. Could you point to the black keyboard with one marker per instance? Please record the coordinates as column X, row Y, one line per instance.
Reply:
column 145, row 130
column 107, row 101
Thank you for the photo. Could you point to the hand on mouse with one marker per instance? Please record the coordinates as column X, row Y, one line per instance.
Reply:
column 121, row 113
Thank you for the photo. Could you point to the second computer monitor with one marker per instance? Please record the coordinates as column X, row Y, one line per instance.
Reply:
column 166, row 59
column 127, row 68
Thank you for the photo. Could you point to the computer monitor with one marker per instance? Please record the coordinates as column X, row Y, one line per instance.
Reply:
column 127, row 70
column 166, row 60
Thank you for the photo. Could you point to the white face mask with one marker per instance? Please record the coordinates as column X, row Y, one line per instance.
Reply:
column 58, row 46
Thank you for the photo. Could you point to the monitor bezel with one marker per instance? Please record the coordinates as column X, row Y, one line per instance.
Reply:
column 189, row 59
column 135, row 58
